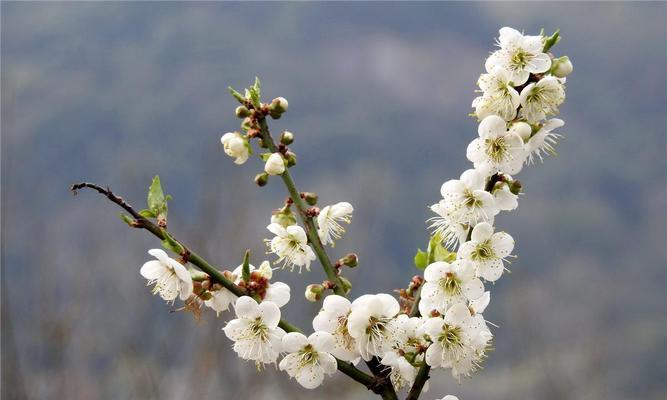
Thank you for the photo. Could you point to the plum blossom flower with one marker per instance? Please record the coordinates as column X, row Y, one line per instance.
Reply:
column 236, row 146
column 544, row 140
column 454, row 340
column 333, row 318
column 446, row 284
column 487, row 251
column 329, row 219
column 541, row 98
column 519, row 55
column 220, row 300
column 255, row 330
column 504, row 199
column 496, row 149
column 402, row 374
column 464, row 203
column 309, row 359
column 170, row 278
column 275, row 164
column 291, row 246
column 372, row 325
column 499, row 97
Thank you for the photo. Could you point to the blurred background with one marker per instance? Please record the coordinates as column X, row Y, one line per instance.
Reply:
column 379, row 94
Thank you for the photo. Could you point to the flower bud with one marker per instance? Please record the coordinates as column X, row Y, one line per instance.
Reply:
column 561, row 67
column 236, row 146
column 522, row 129
column 275, row 165
column 262, row 179
column 314, row 292
column 291, row 159
column 284, row 217
column 515, row 187
column 286, row 138
column 351, row 260
column 346, row 284
column 279, row 105
column 242, row 112
column 309, row 197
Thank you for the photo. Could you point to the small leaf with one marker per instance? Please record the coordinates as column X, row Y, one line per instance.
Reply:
column 551, row 41
column 155, row 196
column 238, row 96
column 421, row 259
column 146, row 213
column 127, row 219
column 245, row 274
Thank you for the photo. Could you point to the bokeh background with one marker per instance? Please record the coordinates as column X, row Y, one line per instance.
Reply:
column 379, row 95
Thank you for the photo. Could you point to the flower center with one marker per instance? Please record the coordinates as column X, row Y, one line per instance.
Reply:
column 450, row 284
column 483, row 251
column 470, row 200
column 377, row 328
column 307, row 356
column 520, row 59
column 496, row 149
column 258, row 329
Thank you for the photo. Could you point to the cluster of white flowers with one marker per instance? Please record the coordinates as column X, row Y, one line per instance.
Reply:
column 522, row 86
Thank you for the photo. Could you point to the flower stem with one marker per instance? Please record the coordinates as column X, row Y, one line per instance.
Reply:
column 311, row 227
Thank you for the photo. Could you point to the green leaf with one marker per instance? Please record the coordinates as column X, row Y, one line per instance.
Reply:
column 155, row 196
column 127, row 219
column 254, row 94
column 551, row 41
column 238, row 96
column 157, row 201
column 146, row 213
column 437, row 252
column 265, row 156
column 421, row 259
column 245, row 274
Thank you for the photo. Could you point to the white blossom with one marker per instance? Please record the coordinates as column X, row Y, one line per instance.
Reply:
column 371, row 324
column 220, row 300
column 291, row 246
column 255, row 330
column 455, row 340
column 275, row 164
column 333, row 318
column 464, row 203
column 541, row 98
column 544, row 140
column 449, row 397
column 487, row 250
column 309, row 359
column 329, row 221
column 236, row 146
column 499, row 97
column 496, row 149
column 402, row 373
column 504, row 199
column 446, row 284
column 519, row 55
column 170, row 278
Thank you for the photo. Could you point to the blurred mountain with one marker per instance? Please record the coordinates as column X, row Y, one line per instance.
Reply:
column 379, row 95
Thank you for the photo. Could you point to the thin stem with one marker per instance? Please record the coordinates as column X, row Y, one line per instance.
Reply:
column 216, row 276
column 310, row 222
column 420, row 380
